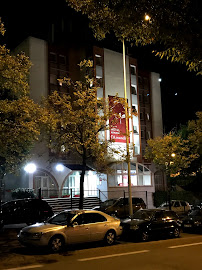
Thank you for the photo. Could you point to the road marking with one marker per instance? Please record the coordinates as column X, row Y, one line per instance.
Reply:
column 25, row 267
column 186, row 245
column 113, row 255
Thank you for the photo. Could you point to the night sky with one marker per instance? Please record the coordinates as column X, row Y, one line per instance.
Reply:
column 181, row 90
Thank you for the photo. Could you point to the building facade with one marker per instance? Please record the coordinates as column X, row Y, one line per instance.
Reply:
column 60, row 178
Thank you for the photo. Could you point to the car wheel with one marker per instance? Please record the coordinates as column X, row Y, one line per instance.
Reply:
column 56, row 243
column 176, row 232
column 110, row 238
column 144, row 236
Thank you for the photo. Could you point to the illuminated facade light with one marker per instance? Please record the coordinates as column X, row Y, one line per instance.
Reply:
column 30, row 168
column 60, row 168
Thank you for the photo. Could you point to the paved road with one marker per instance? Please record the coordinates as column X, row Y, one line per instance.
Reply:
column 170, row 254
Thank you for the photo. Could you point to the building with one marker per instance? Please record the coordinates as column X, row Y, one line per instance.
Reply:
column 61, row 178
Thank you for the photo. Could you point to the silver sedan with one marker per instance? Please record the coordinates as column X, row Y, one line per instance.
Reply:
column 72, row 227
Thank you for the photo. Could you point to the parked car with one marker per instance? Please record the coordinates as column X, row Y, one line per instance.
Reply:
column 179, row 206
column 72, row 227
column 149, row 223
column 120, row 207
column 27, row 211
column 193, row 222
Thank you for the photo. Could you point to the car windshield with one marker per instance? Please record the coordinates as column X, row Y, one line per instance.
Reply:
column 143, row 214
column 62, row 218
column 108, row 202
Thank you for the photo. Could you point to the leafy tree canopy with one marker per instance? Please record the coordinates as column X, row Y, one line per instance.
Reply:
column 174, row 24
column 170, row 153
column 20, row 117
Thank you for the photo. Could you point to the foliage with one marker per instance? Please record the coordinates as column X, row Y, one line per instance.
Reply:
column 21, row 193
column 193, row 133
column 162, row 196
column 174, row 24
column 77, row 120
column 170, row 153
column 20, row 117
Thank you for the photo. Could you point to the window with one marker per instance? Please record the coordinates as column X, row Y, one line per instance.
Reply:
column 60, row 219
column 176, row 204
column 148, row 135
column 132, row 70
column 89, row 218
column 135, row 129
column 142, row 134
column 140, row 175
column 62, row 60
column 99, row 81
column 147, row 116
column 133, row 90
column 53, row 57
column 141, row 116
column 98, row 59
column 140, row 98
column 53, row 79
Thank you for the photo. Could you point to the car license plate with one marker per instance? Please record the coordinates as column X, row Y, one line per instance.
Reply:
column 187, row 225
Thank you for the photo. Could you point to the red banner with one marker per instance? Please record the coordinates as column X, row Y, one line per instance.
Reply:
column 118, row 122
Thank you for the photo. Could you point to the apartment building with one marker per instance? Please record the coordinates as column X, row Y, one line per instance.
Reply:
column 60, row 177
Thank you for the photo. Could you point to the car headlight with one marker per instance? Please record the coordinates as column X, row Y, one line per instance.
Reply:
column 36, row 235
column 134, row 227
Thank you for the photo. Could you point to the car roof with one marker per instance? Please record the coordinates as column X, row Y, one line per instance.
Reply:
column 156, row 210
column 78, row 211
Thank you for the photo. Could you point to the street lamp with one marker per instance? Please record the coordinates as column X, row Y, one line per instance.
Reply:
column 30, row 168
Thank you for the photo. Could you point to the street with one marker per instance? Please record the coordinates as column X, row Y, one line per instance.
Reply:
column 182, row 254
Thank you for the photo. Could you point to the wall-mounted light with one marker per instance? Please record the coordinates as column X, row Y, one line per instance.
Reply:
column 159, row 79
column 60, row 167
column 30, row 168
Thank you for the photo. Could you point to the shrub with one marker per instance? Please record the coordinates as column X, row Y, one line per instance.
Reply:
column 21, row 193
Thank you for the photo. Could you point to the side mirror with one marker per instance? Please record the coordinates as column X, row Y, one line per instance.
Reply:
column 75, row 224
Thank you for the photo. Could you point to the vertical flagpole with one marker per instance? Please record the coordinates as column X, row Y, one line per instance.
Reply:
column 127, row 134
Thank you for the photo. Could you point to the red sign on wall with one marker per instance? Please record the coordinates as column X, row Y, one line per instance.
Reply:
column 118, row 122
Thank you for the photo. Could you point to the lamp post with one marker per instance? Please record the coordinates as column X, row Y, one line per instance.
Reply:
column 147, row 18
column 168, row 164
column 127, row 134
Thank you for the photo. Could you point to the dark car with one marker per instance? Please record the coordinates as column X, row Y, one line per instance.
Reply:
column 151, row 223
column 26, row 211
column 120, row 207
column 193, row 222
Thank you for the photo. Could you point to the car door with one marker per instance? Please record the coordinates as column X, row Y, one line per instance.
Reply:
column 79, row 231
column 98, row 226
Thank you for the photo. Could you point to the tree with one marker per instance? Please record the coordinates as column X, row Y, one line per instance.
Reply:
column 173, row 26
column 77, row 120
column 171, row 154
column 20, row 117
